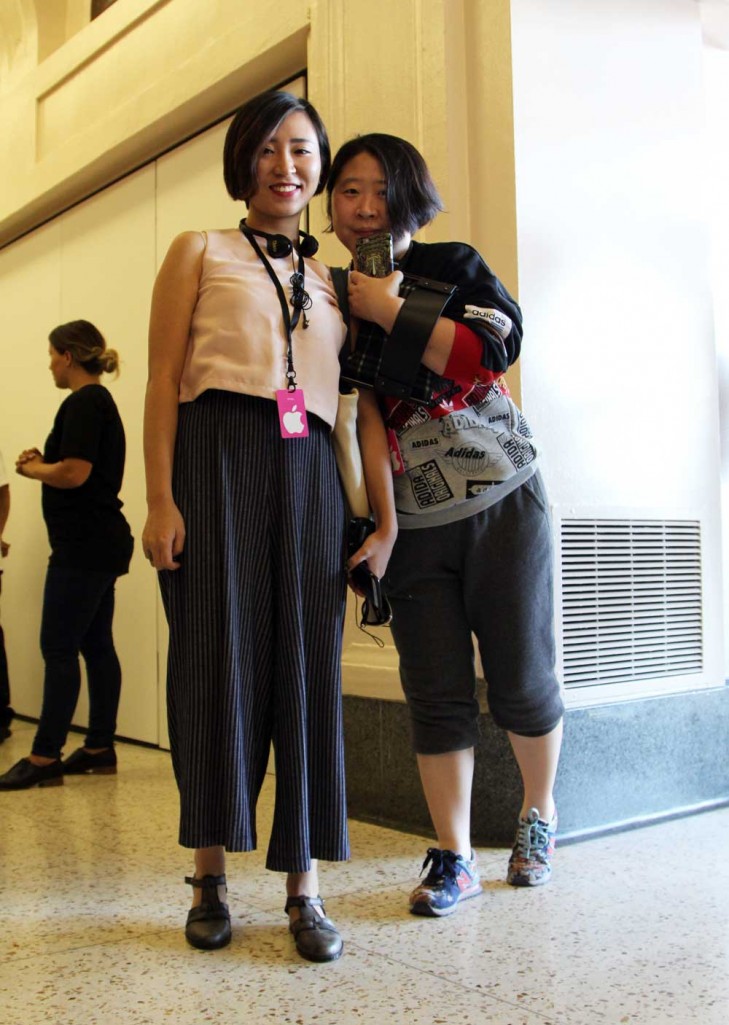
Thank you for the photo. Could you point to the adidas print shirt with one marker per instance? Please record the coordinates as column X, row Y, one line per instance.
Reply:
column 468, row 452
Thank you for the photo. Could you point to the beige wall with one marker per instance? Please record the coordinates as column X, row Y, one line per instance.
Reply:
column 149, row 72
column 611, row 150
column 533, row 168
column 119, row 91
column 96, row 261
column 716, row 76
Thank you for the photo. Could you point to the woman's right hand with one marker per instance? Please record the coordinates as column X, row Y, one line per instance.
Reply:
column 163, row 537
column 173, row 301
column 376, row 552
column 27, row 455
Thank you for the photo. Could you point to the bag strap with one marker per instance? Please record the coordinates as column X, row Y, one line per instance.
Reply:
column 403, row 350
column 340, row 280
column 340, row 277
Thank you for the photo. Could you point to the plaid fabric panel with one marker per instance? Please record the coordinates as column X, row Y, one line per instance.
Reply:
column 361, row 365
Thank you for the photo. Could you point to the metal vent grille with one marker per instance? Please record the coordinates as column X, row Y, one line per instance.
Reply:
column 631, row 600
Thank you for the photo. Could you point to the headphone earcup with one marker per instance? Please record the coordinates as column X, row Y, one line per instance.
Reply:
column 309, row 245
column 278, row 245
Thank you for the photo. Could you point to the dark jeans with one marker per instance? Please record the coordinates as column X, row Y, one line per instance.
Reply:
column 78, row 608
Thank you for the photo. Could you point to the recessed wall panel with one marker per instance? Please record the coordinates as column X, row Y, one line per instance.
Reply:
column 107, row 270
column 30, row 303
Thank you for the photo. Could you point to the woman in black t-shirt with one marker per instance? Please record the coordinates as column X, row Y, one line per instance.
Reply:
column 81, row 470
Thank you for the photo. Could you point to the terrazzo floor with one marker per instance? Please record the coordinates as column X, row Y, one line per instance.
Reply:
column 633, row 929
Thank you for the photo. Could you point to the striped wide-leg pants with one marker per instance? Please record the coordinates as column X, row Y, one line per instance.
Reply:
column 255, row 615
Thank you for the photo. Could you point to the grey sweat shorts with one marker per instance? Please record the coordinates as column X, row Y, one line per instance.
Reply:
column 489, row 575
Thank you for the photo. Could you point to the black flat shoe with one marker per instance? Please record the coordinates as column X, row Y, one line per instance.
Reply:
column 316, row 938
column 82, row 763
column 25, row 775
column 208, row 925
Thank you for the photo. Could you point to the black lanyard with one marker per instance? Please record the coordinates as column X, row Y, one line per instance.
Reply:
column 297, row 301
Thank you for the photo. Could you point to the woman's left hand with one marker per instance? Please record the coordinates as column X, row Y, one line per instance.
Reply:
column 375, row 299
column 376, row 552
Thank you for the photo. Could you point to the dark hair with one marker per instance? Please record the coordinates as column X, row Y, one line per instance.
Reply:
column 255, row 122
column 87, row 346
column 412, row 198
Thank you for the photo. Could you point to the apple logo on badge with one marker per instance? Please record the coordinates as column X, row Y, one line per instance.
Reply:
column 292, row 421
column 292, row 413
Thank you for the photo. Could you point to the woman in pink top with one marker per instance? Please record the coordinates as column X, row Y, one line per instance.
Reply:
column 246, row 520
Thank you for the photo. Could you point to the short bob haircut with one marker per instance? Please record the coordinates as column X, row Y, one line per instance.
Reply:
column 412, row 198
column 87, row 347
column 255, row 122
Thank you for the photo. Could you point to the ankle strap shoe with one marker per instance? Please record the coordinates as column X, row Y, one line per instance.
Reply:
column 208, row 925
column 316, row 938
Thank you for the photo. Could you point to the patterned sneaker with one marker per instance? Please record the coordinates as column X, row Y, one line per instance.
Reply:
column 450, row 880
column 530, row 861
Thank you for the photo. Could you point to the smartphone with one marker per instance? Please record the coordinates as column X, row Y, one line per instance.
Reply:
column 374, row 255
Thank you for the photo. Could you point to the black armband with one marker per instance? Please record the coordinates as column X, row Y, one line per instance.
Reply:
column 403, row 350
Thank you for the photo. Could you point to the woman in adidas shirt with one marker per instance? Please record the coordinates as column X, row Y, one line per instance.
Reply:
column 473, row 553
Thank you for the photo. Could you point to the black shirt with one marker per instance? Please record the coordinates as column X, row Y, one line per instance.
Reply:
column 86, row 527
column 477, row 299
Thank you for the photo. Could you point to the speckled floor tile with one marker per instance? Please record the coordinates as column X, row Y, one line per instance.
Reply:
column 258, row 979
column 633, row 929
column 629, row 931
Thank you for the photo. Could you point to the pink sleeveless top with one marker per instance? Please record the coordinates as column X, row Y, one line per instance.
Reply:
column 237, row 336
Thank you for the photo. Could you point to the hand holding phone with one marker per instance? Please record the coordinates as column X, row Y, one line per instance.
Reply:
column 374, row 255
column 376, row 609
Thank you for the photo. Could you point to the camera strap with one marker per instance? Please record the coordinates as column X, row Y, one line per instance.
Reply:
column 403, row 349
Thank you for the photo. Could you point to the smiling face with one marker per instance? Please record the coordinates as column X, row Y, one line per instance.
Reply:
column 359, row 203
column 288, row 168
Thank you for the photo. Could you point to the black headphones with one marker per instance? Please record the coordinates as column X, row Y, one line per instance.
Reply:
column 280, row 245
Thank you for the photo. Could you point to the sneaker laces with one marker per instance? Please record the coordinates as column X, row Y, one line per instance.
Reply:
column 532, row 838
column 443, row 863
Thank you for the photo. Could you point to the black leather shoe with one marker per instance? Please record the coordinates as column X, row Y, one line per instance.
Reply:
column 5, row 732
column 25, row 775
column 208, row 925
column 316, row 938
column 82, row 763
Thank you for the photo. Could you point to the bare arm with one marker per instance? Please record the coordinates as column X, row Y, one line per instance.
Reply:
column 65, row 474
column 378, row 478
column 376, row 300
column 173, row 302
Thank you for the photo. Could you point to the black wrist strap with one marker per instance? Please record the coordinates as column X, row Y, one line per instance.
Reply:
column 403, row 350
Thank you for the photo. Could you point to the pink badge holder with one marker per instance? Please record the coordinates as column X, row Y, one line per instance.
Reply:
column 292, row 413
